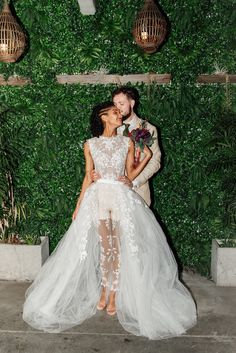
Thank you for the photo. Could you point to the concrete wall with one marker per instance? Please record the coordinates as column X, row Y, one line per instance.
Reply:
column 22, row 262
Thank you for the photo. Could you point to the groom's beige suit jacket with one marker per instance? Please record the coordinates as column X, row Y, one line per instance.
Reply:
column 141, row 185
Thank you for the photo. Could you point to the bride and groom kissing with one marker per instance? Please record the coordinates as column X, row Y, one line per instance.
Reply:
column 126, row 99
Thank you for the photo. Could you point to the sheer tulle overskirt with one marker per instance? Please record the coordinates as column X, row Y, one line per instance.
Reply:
column 150, row 299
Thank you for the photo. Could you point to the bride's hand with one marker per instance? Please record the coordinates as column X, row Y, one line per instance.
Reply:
column 95, row 176
column 125, row 180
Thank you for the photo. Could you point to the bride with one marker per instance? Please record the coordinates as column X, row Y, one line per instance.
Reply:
column 114, row 256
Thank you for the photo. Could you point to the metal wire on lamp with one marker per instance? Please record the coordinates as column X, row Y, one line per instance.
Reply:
column 150, row 27
column 12, row 38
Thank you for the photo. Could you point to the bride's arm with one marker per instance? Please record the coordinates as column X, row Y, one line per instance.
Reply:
column 131, row 171
column 87, row 178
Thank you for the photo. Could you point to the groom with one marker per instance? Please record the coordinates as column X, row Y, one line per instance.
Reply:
column 126, row 99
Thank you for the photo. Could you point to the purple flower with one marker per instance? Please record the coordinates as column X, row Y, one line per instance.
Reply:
column 141, row 137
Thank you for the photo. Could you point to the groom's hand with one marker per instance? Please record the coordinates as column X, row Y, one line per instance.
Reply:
column 94, row 175
column 125, row 180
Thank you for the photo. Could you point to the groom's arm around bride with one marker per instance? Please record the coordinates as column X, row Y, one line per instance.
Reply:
column 141, row 182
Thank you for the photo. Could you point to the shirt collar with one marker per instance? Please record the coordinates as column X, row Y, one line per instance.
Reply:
column 132, row 123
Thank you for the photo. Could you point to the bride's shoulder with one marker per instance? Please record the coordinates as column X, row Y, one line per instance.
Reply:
column 89, row 143
column 91, row 139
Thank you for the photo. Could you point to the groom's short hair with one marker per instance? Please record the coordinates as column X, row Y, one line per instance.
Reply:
column 130, row 92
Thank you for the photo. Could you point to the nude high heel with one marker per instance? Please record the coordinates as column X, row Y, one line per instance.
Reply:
column 102, row 302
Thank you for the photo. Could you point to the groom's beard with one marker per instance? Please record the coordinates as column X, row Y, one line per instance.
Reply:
column 127, row 116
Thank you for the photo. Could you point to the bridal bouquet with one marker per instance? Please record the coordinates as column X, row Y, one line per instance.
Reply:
column 141, row 138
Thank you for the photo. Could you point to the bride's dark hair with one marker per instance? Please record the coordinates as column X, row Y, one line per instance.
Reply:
column 97, row 126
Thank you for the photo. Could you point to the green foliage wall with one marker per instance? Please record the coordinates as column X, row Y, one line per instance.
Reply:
column 64, row 41
column 55, row 118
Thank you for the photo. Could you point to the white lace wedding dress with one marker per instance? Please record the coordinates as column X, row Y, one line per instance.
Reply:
column 116, row 242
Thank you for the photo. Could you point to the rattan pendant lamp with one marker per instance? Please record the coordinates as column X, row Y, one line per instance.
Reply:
column 150, row 27
column 12, row 38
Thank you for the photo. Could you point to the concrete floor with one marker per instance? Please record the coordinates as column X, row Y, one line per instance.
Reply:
column 215, row 331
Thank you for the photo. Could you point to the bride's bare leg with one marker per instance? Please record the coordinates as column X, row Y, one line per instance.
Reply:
column 115, row 255
column 111, row 306
column 102, row 302
column 109, row 262
column 104, row 231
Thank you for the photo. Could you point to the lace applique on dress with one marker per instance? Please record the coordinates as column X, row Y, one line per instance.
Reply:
column 109, row 156
column 115, row 242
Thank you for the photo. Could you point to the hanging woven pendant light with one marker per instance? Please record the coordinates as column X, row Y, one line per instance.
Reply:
column 150, row 27
column 12, row 38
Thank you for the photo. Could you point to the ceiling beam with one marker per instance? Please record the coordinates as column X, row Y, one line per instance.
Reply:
column 14, row 81
column 119, row 79
column 217, row 78
column 113, row 79
column 87, row 7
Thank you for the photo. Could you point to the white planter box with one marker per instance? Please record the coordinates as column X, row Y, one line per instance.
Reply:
column 22, row 262
column 223, row 264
